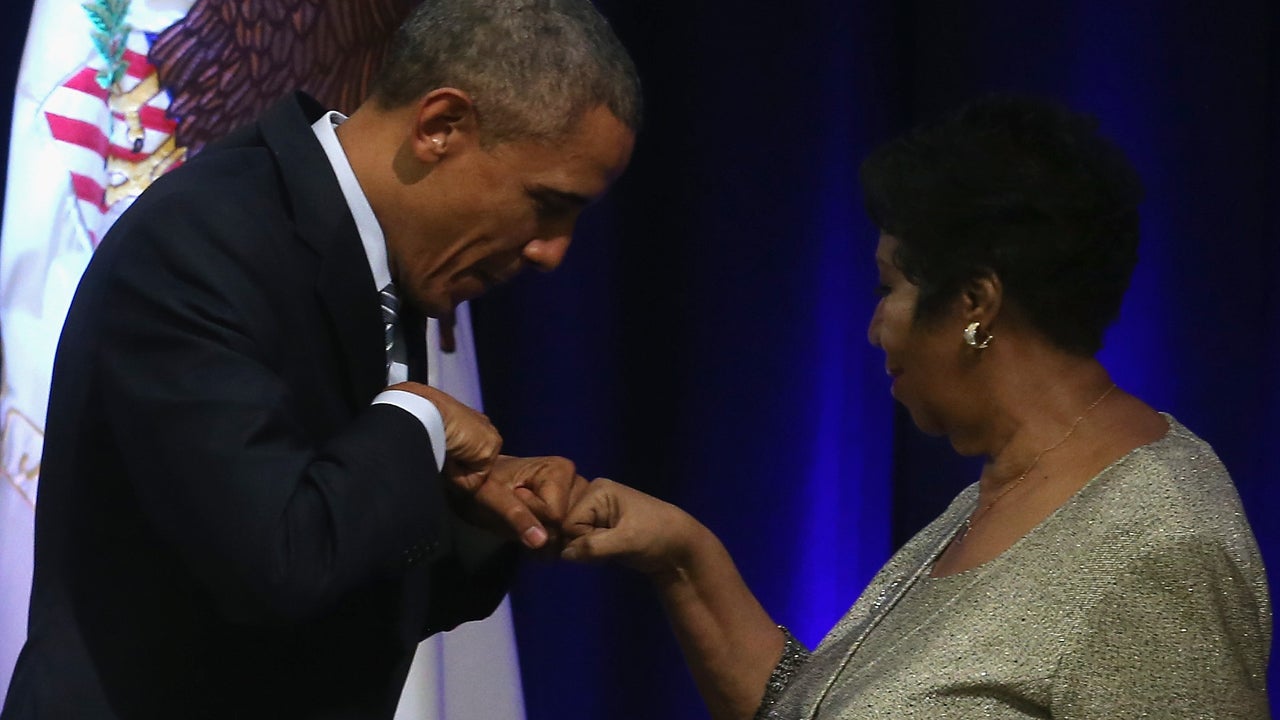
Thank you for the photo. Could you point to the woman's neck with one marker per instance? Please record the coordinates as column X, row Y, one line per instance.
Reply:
column 1038, row 403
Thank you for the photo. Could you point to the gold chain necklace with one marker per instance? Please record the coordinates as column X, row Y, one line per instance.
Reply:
column 969, row 521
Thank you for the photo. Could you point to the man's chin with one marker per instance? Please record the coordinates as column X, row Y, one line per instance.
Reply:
column 472, row 286
column 436, row 307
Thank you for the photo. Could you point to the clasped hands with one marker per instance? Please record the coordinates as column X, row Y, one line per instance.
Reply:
column 544, row 503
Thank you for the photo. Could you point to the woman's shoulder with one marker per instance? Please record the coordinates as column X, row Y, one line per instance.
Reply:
column 1170, row 498
column 1175, row 480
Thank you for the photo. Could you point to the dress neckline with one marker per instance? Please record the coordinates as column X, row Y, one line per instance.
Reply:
column 981, row 568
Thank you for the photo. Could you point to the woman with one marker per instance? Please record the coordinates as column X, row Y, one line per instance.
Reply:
column 1100, row 567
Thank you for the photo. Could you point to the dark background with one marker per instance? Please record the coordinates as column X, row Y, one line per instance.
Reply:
column 705, row 341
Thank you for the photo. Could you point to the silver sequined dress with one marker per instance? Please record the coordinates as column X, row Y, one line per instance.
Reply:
column 1143, row 596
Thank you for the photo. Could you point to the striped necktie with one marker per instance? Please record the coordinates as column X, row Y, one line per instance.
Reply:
column 390, row 316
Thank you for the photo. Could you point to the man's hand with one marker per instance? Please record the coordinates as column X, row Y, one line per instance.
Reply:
column 530, row 496
column 548, row 486
column 471, row 453
column 471, row 442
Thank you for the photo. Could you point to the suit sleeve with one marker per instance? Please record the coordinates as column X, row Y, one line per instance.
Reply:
column 278, row 523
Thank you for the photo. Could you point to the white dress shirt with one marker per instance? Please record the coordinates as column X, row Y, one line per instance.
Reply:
column 375, row 250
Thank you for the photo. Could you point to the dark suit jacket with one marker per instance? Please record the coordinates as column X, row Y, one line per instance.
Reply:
column 226, row 527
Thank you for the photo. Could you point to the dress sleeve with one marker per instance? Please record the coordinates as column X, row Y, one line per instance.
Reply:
column 794, row 655
column 1183, row 631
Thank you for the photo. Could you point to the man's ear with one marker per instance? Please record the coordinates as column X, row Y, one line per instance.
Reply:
column 981, row 298
column 444, row 121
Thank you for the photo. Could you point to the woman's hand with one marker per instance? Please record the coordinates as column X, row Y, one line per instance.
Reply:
column 729, row 641
column 614, row 522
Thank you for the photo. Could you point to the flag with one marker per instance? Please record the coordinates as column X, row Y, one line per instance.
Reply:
column 91, row 130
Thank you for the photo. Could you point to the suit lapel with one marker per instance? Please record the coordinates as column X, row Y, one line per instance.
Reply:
column 344, row 283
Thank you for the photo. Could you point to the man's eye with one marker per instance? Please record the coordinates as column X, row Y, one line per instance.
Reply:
column 547, row 207
column 883, row 290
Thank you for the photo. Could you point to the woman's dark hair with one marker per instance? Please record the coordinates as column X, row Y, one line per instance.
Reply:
column 1020, row 188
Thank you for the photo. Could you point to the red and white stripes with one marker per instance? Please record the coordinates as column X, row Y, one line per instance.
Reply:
column 89, row 132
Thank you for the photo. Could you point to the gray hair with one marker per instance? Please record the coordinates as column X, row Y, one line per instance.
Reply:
column 532, row 67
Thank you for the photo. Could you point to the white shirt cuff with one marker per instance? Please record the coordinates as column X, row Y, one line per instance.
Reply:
column 425, row 411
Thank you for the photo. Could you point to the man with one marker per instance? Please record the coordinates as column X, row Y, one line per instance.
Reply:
column 248, row 508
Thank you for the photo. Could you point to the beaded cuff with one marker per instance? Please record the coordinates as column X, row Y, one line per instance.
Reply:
column 794, row 655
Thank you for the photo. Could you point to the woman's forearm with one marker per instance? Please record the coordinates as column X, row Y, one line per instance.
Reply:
column 729, row 641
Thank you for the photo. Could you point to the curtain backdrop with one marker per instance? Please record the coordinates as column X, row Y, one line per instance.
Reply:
column 705, row 341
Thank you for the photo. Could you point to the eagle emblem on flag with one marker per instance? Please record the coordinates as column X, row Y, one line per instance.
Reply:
column 148, row 98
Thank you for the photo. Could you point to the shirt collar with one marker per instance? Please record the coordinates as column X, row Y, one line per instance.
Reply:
column 371, row 237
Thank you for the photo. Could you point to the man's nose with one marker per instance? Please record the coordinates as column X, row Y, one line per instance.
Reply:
column 547, row 253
